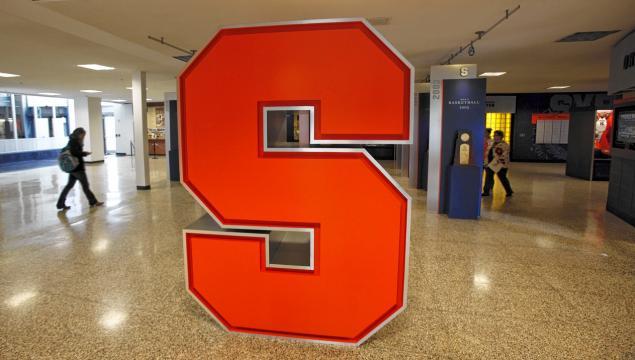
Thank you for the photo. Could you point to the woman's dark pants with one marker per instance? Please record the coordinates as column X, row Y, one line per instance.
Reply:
column 72, row 179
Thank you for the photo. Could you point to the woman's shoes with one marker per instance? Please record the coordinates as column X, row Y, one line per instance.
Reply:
column 98, row 203
column 63, row 207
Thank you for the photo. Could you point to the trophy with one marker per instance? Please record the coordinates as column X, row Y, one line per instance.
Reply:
column 462, row 150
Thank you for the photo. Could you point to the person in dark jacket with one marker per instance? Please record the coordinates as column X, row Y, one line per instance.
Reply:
column 76, row 147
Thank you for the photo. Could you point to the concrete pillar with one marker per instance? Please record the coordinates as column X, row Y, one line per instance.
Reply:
column 140, row 120
column 88, row 115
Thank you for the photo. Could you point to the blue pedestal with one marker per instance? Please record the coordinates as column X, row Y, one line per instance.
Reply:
column 464, row 191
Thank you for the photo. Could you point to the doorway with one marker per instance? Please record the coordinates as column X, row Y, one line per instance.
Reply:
column 110, row 134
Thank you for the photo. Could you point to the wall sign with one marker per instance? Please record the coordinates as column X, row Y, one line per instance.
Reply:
column 500, row 104
column 551, row 128
column 355, row 216
column 622, row 70
column 570, row 102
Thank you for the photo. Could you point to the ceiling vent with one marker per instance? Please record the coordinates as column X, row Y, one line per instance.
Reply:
column 184, row 58
column 587, row 36
column 379, row 21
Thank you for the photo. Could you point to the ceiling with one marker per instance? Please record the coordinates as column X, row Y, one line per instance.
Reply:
column 44, row 40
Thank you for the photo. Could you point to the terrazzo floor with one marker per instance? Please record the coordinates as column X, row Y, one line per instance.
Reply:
column 546, row 274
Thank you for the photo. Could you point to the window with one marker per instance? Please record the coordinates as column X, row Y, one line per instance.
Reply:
column 46, row 116
column 23, row 132
column 500, row 121
column 7, row 120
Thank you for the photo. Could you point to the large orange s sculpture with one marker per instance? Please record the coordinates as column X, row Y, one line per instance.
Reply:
column 358, row 90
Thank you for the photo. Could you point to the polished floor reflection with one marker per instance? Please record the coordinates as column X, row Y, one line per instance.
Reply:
column 546, row 274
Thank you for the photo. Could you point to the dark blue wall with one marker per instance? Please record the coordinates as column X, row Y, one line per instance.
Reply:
column 424, row 139
column 29, row 155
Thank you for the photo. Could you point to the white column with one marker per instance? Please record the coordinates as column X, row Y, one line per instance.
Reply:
column 139, row 110
column 88, row 115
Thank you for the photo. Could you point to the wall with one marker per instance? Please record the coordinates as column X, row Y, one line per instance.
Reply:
column 581, row 134
column 35, row 144
column 523, row 144
column 276, row 128
column 152, row 123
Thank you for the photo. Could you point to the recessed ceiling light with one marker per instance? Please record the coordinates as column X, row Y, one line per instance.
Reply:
column 148, row 99
column 8, row 75
column 90, row 91
column 48, row 94
column 493, row 73
column 119, row 100
column 96, row 67
column 558, row 87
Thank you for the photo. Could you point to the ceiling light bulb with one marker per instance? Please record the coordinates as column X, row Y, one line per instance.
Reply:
column 96, row 67
column 493, row 73
column 559, row 87
column 90, row 91
column 7, row 75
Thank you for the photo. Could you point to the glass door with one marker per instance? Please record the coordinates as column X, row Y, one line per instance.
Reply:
column 110, row 138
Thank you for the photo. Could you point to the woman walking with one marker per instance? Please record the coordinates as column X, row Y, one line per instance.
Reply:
column 76, row 148
column 497, row 162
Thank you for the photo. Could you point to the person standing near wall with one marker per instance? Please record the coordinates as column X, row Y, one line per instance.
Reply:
column 497, row 162
column 76, row 148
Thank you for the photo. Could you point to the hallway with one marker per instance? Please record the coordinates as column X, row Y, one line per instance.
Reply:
column 546, row 273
